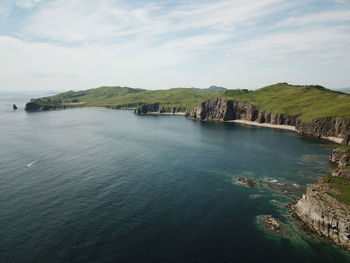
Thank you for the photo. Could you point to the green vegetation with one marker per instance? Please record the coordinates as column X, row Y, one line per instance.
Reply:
column 309, row 101
column 128, row 97
column 342, row 185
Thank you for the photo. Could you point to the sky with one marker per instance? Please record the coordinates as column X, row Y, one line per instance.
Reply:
column 161, row 44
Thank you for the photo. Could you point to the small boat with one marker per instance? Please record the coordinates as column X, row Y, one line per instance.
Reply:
column 14, row 107
column 30, row 164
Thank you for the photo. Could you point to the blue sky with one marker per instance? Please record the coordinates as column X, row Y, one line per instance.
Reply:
column 81, row 44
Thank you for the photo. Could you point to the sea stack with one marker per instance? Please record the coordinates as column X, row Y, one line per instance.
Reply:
column 14, row 107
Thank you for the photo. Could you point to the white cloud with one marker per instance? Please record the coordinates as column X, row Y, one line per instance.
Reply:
column 95, row 41
column 308, row 44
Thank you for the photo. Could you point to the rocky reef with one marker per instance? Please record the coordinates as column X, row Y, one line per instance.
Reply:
column 221, row 109
column 270, row 223
column 325, row 208
column 155, row 108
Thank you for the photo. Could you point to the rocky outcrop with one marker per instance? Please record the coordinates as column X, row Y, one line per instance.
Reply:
column 218, row 109
column 155, row 108
column 341, row 158
column 38, row 105
column 245, row 181
column 324, row 214
column 270, row 223
column 320, row 210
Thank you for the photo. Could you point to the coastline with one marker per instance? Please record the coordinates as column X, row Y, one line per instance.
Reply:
column 283, row 127
column 164, row 113
column 267, row 125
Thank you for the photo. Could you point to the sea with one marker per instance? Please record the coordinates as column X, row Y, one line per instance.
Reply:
column 102, row 185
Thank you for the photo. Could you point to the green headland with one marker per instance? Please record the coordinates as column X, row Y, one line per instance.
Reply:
column 310, row 102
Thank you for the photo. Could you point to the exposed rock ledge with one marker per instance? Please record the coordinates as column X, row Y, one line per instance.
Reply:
column 319, row 208
column 221, row 109
column 155, row 108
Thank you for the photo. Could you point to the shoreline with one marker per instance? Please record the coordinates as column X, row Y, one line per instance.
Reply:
column 267, row 125
column 283, row 127
column 164, row 113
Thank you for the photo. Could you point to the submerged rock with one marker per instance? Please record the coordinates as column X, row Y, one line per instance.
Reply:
column 245, row 181
column 255, row 196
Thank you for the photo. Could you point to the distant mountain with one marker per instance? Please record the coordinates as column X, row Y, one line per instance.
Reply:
column 211, row 88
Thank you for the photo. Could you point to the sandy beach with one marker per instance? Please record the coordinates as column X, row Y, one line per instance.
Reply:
column 283, row 127
column 268, row 125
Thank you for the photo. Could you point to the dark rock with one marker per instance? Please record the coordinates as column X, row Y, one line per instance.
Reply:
column 154, row 108
column 245, row 181
column 32, row 106
column 14, row 107
column 270, row 223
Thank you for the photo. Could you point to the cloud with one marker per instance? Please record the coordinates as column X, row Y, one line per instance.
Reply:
column 95, row 41
column 27, row 3
column 326, row 18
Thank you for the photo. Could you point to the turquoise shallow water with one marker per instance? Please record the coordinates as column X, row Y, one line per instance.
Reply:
column 108, row 186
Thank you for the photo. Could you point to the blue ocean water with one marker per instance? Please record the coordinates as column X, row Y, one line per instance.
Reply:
column 109, row 186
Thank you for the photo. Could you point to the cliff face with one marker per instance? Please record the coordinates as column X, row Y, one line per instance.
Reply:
column 220, row 109
column 154, row 108
column 341, row 157
column 331, row 126
column 320, row 210
column 324, row 214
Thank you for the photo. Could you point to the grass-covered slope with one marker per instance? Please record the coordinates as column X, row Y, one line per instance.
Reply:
column 129, row 97
column 310, row 101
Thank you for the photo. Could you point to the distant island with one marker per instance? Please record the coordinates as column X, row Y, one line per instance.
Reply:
column 310, row 109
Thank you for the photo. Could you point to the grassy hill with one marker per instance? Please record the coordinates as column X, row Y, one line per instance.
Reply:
column 310, row 101
column 129, row 97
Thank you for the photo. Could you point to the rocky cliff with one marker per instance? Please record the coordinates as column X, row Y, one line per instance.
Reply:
column 35, row 105
column 331, row 126
column 154, row 108
column 324, row 214
column 325, row 206
column 221, row 109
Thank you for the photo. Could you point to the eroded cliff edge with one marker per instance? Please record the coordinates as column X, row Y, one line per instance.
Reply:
column 325, row 208
column 222, row 109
